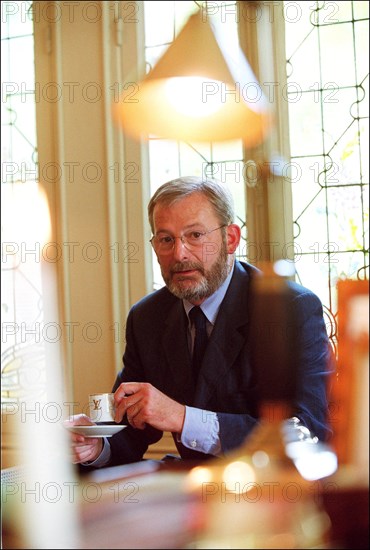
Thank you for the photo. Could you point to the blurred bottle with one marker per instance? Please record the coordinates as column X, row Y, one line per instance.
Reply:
column 256, row 497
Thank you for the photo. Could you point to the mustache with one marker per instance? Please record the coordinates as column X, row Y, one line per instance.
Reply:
column 186, row 266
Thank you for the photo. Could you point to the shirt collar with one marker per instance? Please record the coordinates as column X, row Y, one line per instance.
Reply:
column 212, row 304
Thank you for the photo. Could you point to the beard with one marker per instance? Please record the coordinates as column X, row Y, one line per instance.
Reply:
column 210, row 281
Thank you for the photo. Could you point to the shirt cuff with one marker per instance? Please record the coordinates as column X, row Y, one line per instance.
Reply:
column 103, row 458
column 201, row 431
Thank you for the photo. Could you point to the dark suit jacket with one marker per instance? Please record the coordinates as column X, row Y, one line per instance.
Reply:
column 157, row 352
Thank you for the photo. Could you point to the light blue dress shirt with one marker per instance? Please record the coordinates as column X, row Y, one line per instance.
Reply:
column 201, row 428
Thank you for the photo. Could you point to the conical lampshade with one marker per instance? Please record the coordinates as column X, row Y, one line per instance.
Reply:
column 200, row 90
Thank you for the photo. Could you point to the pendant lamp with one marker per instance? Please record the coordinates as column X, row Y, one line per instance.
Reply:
column 201, row 89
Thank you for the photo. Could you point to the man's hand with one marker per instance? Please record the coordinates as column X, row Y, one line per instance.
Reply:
column 84, row 449
column 144, row 404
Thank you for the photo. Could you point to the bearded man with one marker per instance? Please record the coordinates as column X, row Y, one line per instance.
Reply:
column 191, row 372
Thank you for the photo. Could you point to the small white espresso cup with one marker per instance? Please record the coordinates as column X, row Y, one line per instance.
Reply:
column 101, row 407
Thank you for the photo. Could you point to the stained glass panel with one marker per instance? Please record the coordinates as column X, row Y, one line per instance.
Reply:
column 22, row 357
column 329, row 142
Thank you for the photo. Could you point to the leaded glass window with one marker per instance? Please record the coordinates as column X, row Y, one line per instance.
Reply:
column 328, row 84
column 22, row 356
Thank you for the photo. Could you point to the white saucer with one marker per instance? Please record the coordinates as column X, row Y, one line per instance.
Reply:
column 105, row 430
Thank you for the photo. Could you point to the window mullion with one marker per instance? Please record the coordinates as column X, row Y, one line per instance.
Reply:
column 269, row 199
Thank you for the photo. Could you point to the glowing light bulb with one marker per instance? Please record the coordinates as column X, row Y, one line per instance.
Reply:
column 194, row 96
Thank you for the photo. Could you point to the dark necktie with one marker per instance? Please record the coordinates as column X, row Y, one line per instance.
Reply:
column 198, row 319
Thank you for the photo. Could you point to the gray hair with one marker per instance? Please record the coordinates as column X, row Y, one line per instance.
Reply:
column 219, row 196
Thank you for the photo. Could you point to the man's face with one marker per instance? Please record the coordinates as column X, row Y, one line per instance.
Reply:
column 192, row 272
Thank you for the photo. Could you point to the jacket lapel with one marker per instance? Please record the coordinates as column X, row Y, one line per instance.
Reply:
column 227, row 338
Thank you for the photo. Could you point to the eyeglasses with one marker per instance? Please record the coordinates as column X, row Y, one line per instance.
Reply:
column 164, row 243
